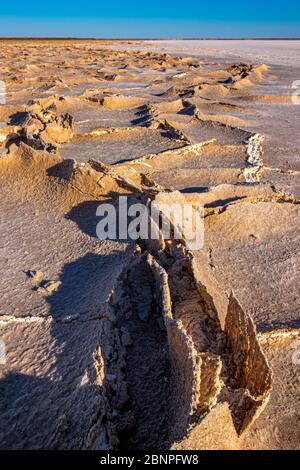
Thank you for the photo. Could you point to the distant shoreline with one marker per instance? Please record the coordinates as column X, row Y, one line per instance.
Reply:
column 52, row 38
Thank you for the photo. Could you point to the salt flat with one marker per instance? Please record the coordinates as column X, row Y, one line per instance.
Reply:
column 116, row 344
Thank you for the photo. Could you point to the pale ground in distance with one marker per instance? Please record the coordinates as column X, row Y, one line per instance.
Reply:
column 277, row 52
column 106, row 347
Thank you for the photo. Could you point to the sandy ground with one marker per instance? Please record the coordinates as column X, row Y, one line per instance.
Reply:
column 120, row 345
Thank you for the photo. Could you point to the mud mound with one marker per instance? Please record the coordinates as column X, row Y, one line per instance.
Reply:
column 120, row 102
column 199, row 378
column 41, row 127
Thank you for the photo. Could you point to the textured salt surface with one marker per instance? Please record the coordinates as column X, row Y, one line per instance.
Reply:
column 156, row 343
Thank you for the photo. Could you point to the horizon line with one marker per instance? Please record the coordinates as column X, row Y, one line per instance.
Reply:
column 278, row 38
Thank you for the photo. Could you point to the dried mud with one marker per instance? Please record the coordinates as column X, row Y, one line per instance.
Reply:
column 121, row 345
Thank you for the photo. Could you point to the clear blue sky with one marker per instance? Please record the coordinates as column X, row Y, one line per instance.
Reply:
column 157, row 18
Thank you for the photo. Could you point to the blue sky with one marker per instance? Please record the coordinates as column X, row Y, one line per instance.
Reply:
column 158, row 18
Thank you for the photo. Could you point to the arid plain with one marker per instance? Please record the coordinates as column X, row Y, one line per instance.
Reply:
column 112, row 344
